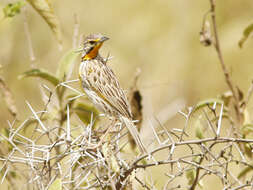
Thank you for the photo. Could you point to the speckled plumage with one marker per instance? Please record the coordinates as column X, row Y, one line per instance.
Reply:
column 102, row 87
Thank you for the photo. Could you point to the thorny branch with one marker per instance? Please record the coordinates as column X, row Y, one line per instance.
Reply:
column 59, row 152
column 76, row 164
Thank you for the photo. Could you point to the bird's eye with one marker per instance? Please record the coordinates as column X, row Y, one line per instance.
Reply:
column 92, row 42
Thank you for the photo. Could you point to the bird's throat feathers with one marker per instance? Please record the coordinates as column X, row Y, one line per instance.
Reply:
column 92, row 53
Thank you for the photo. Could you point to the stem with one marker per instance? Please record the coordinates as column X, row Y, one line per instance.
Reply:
column 224, row 68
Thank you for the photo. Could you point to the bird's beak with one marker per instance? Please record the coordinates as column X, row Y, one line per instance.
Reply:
column 103, row 39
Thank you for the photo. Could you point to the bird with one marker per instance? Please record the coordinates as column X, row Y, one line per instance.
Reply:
column 102, row 87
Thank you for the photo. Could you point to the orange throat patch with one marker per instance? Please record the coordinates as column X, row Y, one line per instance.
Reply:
column 93, row 53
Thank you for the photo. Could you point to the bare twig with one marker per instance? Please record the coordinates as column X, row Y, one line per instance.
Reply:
column 220, row 56
column 8, row 97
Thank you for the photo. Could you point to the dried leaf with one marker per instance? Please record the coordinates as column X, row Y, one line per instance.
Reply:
column 246, row 33
column 240, row 93
column 226, row 97
column 12, row 9
column 135, row 100
column 44, row 8
column 8, row 97
column 66, row 62
column 246, row 117
column 41, row 74
column 205, row 34
column 136, row 107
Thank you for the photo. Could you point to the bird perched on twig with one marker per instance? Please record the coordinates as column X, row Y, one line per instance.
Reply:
column 102, row 87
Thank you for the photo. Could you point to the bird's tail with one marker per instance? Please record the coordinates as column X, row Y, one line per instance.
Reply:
column 135, row 134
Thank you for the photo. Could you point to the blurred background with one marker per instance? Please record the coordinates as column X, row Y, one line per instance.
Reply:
column 160, row 37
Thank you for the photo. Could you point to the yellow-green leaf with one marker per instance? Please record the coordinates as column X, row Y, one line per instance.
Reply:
column 84, row 111
column 41, row 74
column 247, row 129
column 247, row 149
column 245, row 171
column 56, row 185
column 190, row 175
column 65, row 63
column 13, row 9
column 207, row 102
column 44, row 8
column 199, row 132
column 13, row 174
column 247, row 31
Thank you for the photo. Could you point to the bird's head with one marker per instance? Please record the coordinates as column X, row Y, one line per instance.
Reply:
column 92, row 44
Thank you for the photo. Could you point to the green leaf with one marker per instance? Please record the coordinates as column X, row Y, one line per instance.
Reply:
column 247, row 31
column 44, row 8
column 13, row 9
column 65, row 63
column 190, row 175
column 13, row 174
column 41, row 74
column 56, row 185
column 199, row 132
column 84, row 111
column 245, row 171
column 210, row 101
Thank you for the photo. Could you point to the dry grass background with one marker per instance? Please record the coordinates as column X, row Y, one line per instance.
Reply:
column 161, row 37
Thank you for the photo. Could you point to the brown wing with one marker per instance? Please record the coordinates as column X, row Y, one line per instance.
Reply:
column 104, row 82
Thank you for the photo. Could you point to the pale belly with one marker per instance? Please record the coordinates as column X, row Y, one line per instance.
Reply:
column 101, row 104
